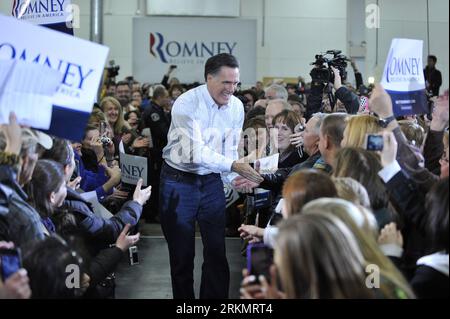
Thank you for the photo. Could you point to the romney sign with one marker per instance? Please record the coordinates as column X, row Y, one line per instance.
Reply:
column 168, row 52
column 188, row 43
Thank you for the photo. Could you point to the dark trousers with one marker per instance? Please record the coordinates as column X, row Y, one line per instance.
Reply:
column 184, row 199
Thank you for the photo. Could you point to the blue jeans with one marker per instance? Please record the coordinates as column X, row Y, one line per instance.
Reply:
column 184, row 199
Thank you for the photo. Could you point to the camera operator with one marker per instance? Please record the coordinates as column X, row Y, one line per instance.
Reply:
column 322, row 76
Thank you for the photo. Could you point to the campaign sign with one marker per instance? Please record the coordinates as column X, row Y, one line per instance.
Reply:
column 42, row 12
column 262, row 198
column 189, row 42
column 403, row 77
column 80, row 62
column 54, row 14
column 133, row 168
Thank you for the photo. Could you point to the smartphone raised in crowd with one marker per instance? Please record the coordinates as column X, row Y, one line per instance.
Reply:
column 259, row 260
column 374, row 142
column 10, row 262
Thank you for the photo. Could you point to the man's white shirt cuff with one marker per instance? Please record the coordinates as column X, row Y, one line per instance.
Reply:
column 389, row 171
column 392, row 250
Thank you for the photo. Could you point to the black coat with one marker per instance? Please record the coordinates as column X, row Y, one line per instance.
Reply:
column 429, row 283
column 101, row 232
column 314, row 102
column 276, row 180
column 104, row 264
column 158, row 121
column 291, row 159
column 434, row 78
column 410, row 203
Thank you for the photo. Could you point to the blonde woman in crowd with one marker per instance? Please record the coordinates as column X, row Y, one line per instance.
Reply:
column 357, row 128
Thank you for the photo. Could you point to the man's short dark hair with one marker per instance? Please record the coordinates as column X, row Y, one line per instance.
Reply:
column 256, row 111
column 295, row 98
column 122, row 83
column 432, row 57
column 215, row 63
column 333, row 126
column 159, row 91
column 250, row 92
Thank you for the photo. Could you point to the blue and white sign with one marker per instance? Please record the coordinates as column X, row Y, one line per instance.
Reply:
column 80, row 62
column 403, row 77
column 133, row 168
column 42, row 12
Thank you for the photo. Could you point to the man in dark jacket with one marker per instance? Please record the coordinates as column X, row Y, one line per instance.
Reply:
column 102, row 231
column 158, row 121
column 433, row 76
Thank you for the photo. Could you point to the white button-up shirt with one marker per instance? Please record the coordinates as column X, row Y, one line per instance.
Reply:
column 203, row 138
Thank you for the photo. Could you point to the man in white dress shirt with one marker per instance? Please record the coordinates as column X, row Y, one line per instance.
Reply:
column 202, row 147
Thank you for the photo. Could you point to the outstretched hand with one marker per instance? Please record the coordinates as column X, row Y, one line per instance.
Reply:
column 141, row 195
column 13, row 135
column 246, row 171
column 390, row 235
column 380, row 102
column 390, row 146
column 125, row 241
column 251, row 233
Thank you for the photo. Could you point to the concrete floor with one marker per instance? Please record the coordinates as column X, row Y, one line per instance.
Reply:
column 151, row 278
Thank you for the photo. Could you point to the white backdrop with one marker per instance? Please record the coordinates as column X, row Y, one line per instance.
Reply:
column 228, row 8
column 188, row 42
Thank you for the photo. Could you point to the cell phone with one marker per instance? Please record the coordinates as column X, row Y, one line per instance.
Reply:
column 299, row 128
column 147, row 133
column 173, row 66
column 133, row 255
column 374, row 142
column 259, row 260
column 10, row 262
column 364, row 104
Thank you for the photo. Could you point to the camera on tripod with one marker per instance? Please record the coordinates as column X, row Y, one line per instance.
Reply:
column 323, row 73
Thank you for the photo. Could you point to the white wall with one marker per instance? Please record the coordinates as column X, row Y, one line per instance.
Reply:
column 295, row 31
column 407, row 19
column 117, row 29
column 220, row 8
